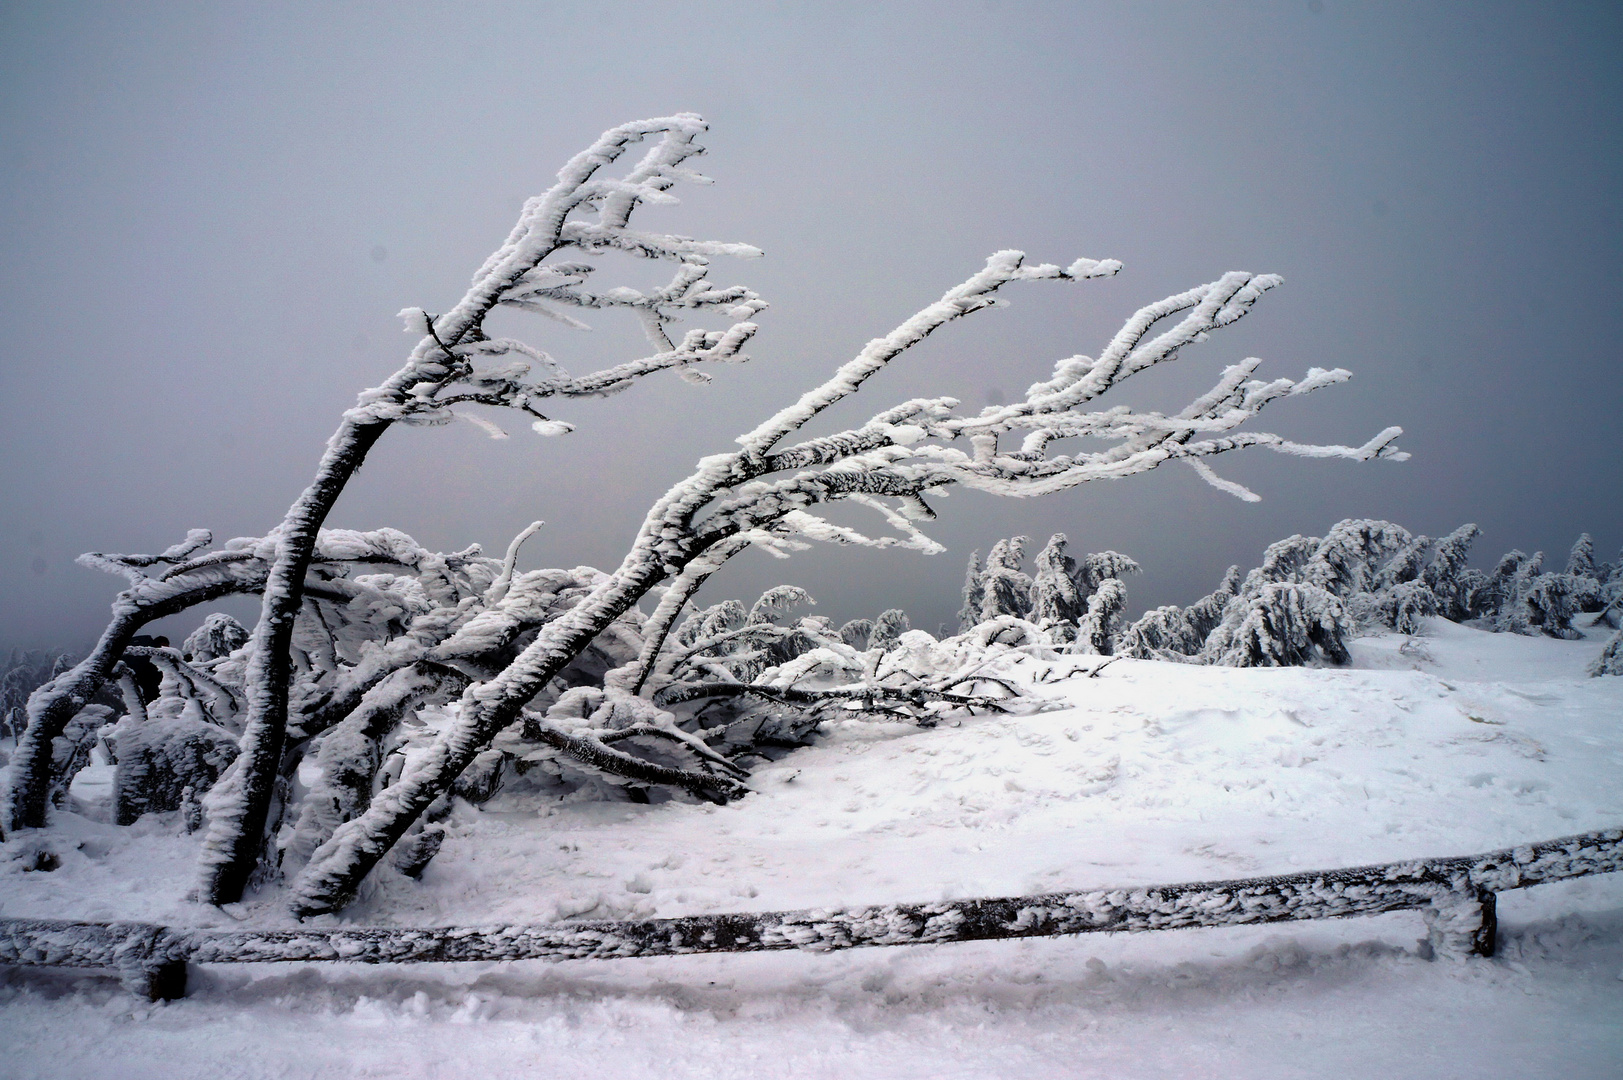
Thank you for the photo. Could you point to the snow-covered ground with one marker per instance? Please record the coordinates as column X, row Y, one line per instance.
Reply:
column 1451, row 743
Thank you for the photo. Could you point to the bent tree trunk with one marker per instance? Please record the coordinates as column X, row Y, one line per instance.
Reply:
column 236, row 838
column 28, row 777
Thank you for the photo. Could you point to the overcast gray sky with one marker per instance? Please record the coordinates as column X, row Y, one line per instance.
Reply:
column 209, row 214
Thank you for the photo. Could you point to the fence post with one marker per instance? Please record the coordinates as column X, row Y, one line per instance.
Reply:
column 1462, row 922
column 151, row 964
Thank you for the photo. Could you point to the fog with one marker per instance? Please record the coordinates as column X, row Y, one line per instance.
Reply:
column 211, row 213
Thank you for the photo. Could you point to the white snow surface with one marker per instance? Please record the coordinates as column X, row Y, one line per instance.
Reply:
column 1454, row 742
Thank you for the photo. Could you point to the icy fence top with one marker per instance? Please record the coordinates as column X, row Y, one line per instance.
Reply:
column 1456, row 895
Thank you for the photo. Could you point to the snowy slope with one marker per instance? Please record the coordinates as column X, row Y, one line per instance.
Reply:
column 1455, row 742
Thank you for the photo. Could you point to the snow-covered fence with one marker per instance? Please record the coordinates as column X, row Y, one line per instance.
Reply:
column 1456, row 896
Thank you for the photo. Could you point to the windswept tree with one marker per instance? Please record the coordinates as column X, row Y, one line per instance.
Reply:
column 765, row 493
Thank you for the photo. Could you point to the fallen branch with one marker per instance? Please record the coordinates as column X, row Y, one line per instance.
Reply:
column 886, row 700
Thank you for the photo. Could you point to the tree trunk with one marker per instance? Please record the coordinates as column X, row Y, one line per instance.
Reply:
column 236, row 839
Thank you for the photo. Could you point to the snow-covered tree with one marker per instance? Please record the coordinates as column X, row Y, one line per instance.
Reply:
column 1097, row 567
column 24, row 672
column 1352, row 554
column 888, row 630
column 1101, row 625
column 1205, row 614
column 764, row 493
column 1055, row 599
column 1552, row 601
column 1402, row 606
column 1282, row 561
column 856, row 634
column 1581, row 559
column 180, row 583
column 971, row 594
column 1520, row 597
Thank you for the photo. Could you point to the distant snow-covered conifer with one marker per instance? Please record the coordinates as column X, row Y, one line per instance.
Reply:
column 1350, row 557
column 1173, row 632
column 856, row 633
column 888, row 630
column 1005, row 589
column 1101, row 625
column 1055, row 599
column 1581, row 560
column 969, row 611
column 1446, row 574
column 1096, row 567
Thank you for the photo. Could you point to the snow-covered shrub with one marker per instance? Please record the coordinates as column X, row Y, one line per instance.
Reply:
column 165, row 764
column 1382, row 575
column 1519, row 597
column 1552, row 600
column 220, row 635
column 1010, row 631
column 1448, row 577
column 1172, row 632
column 1610, row 660
column 70, row 751
column 1281, row 625
column 1161, row 633
column 1402, row 606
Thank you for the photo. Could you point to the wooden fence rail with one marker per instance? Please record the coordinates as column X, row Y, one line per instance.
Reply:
column 1456, row 896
